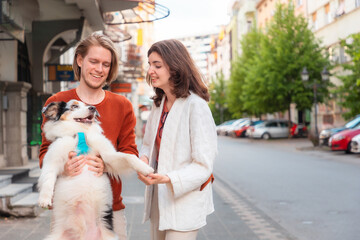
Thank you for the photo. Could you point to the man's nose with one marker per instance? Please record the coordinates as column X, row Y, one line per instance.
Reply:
column 99, row 67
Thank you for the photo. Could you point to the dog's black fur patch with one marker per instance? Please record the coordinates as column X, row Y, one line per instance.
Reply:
column 54, row 110
column 108, row 218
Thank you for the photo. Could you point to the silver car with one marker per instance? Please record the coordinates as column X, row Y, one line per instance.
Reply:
column 275, row 128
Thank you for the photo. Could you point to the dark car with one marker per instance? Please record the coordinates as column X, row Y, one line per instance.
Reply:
column 327, row 133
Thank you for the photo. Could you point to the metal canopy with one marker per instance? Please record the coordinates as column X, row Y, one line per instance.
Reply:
column 143, row 11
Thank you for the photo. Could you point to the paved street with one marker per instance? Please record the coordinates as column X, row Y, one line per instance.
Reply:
column 253, row 201
column 311, row 194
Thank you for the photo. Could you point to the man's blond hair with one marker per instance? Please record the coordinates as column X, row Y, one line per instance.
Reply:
column 97, row 39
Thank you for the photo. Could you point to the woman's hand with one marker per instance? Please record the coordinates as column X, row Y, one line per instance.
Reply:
column 154, row 178
column 96, row 164
column 74, row 165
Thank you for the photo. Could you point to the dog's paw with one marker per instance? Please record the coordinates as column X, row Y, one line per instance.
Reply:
column 45, row 200
column 144, row 169
column 147, row 170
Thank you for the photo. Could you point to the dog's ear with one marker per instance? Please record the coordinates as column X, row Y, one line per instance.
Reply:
column 54, row 110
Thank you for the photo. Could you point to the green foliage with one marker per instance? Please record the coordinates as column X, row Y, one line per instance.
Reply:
column 217, row 103
column 266, row 78
column 240, row 98
column 350, row 88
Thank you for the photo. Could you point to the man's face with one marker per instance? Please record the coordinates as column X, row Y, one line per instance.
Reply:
column 95, row 66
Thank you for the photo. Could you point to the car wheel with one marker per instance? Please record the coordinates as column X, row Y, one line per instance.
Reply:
column 348, row 149
column 266, row 136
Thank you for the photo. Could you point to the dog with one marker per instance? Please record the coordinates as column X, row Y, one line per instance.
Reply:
column 82, row 204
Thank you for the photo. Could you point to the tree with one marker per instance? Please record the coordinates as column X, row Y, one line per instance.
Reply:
column 217, row 103
column 350, row 88
column 272, row 75
column 240, row 98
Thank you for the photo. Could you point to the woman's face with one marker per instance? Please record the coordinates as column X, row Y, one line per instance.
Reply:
column 159, row 72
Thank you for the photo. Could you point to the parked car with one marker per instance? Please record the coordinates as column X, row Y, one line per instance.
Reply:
column 355, row 144
column 240, row 131
column 298, row 130
column 276, row 128
column 341, row 141
column 219, row 128
column 229, row 128
column 327, row 133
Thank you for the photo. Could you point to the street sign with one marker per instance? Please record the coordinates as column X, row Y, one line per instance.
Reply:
column 59, row 72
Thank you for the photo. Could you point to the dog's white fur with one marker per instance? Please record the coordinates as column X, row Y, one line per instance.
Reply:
column 80, row 202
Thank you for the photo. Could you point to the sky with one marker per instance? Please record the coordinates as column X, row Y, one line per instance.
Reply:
column 192, row 17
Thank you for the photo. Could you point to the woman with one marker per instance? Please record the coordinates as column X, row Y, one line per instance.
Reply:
column 180, row 142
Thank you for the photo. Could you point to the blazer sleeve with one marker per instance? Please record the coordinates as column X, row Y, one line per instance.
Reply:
column 203, row 140
column 146, row 144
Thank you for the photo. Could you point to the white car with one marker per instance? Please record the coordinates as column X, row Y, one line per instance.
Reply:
column 220, row 128
column 355, row 144
column 275, row 128
column 235, row 125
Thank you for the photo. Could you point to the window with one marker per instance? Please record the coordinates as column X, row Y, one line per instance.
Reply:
column 272, row 124
column 341, row 9
column 284, row 124
column 314, row 21
column 327, row 14
column 357, row 3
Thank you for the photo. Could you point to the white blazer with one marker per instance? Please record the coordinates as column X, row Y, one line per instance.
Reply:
column 187, row 153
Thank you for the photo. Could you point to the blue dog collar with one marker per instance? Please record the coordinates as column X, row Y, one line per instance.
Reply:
column 82, row 148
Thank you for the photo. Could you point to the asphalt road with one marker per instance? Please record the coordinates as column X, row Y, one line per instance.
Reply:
column 311, row 194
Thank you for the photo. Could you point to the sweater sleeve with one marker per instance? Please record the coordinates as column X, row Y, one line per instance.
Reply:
column 44, row 142
column 126, row 138
column 203, row 140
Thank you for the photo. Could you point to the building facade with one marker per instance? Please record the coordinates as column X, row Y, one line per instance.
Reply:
column 37, row 34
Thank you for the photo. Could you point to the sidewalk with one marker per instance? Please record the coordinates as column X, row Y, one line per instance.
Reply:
column 223, row 224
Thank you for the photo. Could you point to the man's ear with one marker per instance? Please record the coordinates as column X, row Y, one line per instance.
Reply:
column 54, row 110
column 79, row 60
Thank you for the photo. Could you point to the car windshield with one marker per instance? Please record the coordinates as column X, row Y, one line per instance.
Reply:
column 353, row 123
column 227, row 122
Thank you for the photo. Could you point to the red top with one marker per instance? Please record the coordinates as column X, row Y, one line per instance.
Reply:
column 117, row 119
column 164, row 115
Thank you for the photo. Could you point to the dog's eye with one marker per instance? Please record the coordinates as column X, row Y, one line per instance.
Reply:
column 74, row 106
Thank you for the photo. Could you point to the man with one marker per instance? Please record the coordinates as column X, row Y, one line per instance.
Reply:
column 96, row 64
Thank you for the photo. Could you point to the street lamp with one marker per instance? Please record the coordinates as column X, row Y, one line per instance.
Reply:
column 305, row 77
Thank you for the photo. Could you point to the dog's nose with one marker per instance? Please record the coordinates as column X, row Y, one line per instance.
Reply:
column 92, row 108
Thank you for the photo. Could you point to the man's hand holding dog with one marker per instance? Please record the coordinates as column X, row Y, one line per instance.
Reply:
column 74, row 165
column 96, row 164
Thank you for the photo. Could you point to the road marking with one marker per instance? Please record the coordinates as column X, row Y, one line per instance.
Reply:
column 262, row 227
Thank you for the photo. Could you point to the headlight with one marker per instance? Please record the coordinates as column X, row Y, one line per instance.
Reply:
column 338, row 138
column 325, row 133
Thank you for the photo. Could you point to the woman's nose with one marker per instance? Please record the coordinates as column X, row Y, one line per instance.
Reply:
column 151, row 69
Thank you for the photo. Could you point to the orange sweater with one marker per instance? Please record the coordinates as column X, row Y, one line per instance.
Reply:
column 118, row 122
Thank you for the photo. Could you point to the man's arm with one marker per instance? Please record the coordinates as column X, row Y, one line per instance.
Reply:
column 126, row 139
column 44, row 142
